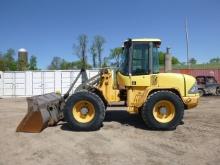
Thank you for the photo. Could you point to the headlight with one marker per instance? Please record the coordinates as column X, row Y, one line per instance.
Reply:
column 193, row 89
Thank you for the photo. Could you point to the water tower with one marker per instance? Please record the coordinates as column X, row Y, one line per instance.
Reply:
column 22, row 59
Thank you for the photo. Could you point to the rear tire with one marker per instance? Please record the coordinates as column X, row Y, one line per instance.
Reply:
column 84, row 111
column 163, row 110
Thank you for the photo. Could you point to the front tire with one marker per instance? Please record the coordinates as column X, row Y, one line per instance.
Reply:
column 163, row 110
column 218, row 91
column 84, row 111
column 201, row 92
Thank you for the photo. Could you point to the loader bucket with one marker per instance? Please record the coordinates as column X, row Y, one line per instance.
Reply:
column 43, row 110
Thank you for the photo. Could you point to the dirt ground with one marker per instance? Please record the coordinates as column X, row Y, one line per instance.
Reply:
column 123, row 139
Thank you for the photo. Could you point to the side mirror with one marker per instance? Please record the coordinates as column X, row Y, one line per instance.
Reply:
column 129, row 42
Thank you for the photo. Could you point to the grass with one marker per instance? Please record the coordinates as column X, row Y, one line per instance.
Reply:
column 196, row 66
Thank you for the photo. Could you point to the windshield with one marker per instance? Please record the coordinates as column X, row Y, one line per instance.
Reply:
column 210, row 80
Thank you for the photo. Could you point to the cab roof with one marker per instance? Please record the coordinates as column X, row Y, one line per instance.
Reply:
column 145, row 40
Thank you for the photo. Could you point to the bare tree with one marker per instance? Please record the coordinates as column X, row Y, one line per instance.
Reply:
column 81, row 48
column 94, row 54
column 99, row 42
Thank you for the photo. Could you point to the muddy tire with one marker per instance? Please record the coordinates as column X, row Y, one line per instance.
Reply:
column 201, row 92
column 84, row 111
column 218, row 91
column 163, row 110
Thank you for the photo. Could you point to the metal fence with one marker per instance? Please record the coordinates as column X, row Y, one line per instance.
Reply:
column 29, row 83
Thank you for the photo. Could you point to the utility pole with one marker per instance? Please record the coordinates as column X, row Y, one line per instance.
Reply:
column 187, row 43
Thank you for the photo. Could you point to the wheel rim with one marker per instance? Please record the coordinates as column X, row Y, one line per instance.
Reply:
column 164, row 111
column 83, row 111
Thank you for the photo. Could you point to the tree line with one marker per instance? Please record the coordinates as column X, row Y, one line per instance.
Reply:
column 84, row 53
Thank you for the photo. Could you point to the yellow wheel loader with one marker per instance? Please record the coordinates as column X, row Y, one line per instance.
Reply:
column 160, row 98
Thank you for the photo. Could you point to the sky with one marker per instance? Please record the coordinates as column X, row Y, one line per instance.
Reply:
column 48, row 28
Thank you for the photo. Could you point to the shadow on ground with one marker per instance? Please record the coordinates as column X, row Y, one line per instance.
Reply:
column 119, row 116
column 124, row 118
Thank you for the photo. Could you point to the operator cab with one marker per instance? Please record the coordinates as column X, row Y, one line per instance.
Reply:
column 140, row 57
